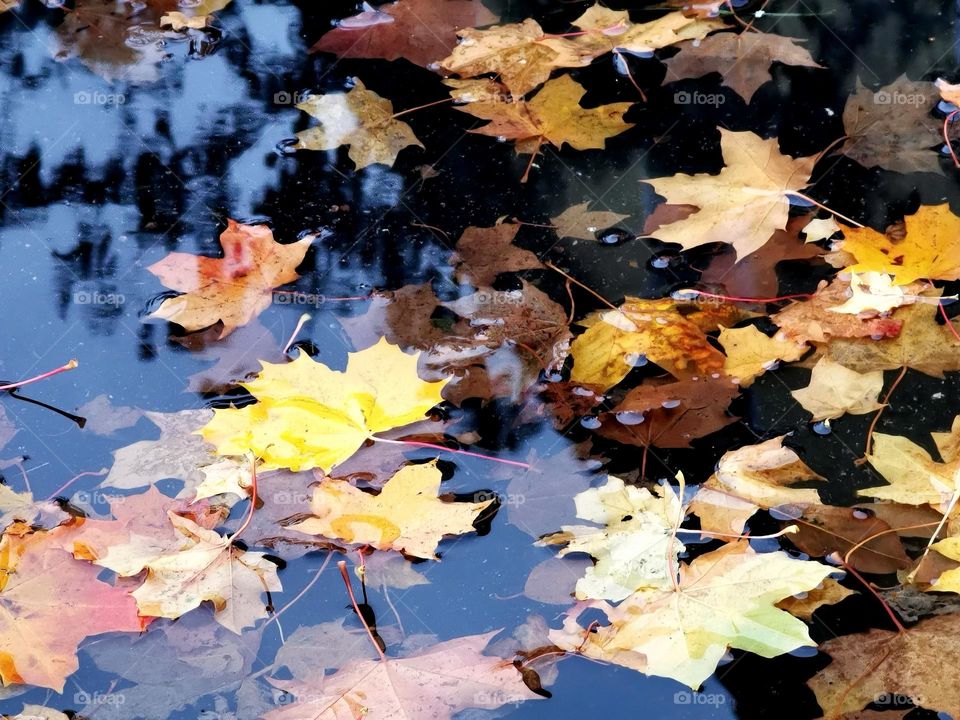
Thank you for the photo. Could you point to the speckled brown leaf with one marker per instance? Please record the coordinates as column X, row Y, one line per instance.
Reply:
column 421, row 31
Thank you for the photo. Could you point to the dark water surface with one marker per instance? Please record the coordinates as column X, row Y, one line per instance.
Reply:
column 91, row 193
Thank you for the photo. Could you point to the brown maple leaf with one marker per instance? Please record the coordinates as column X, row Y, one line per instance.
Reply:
column 743, row 60
column 893, row 127
column 233, row 289
column 483, row 253
column 421, row 31
column 667, row 414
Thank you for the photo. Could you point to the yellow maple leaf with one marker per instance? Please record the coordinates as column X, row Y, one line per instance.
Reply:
column 406, row 515
column 744, row 204
column 724, row 599
column 750, row 478
column 308, row 415
column 750, row 353
column 359, row 118
column 611, row 30
column 656, row 330
column 631, row 548
column 929, row 250
column 915, row 478
column 835, row 390
column 554, row 116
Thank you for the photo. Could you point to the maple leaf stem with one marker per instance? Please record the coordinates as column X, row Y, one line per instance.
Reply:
column 415, row 443
column 790, row 529
column 886, row 606
column 626, row 67
column 253, row 502
column 63, row 368
column 60, row 490
column 306, row 588
column 946, row 318
column 356, row 608
column 296, row 331
column 946, row 137
column 533, row 156
column 584, row 287
column 871, row 538
column 824, row 207
column 421, row 107
column 876, row 418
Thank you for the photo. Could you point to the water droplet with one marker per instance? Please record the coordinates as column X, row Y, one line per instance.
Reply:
column 660, row 262
column 590, row 423
column 501, row 138
column 822, row 427
column 946, row 107
column 287, row 146
column 583, row 392
column 555, row 377
column 670, row 404
column 804, row 651
column 629, row 418
column 662, row 321
column 861, row 514
column 799, row 202
column 614, row 237
column 635, row 359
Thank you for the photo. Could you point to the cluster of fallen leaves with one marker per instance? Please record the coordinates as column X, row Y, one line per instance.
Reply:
column 667, row 578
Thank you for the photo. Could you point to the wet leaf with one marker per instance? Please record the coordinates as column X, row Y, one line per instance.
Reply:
column 742, row 205
column 421, row 31
column 824, row 529
column 579, row 222
column 436, row 682
column 751, row 478
column 750, row 353
column 554, row 116
column 406, row 515
column 893, row 127
column 483, row 253
column 743, row 60
column 725, row 599
column 930, row 249
column 870, row 665
column 668, row 333
column 233, row 289
column 359, row 118
column 632, row 544
column 804, row 605
column 38, row 634
column 835, row 391
column 308, row 415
